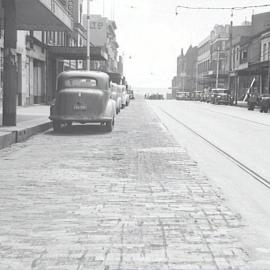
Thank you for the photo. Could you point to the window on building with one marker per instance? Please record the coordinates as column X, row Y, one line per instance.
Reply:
column 244, row 56
column 264, row 56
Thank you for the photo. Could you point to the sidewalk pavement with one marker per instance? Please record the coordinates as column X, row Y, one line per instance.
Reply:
column 30, row 121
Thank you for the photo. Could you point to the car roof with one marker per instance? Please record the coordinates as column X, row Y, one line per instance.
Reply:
column 219, row 89
column 75, row 73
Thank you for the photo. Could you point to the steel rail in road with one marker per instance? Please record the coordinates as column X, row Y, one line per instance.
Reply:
column 236, row 117
column 242, row 166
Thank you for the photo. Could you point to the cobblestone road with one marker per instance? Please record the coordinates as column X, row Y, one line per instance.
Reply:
column 131, row 199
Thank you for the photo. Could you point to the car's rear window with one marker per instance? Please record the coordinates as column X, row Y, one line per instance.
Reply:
column 79, row 83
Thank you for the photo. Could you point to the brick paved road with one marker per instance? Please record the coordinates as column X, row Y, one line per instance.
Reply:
column 128, row 200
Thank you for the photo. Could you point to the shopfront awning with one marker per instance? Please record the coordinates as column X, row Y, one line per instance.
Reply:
column 254, row 68
column 77, row 53
column 41, row 15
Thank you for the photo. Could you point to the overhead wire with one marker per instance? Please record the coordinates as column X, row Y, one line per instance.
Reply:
column 221, row 8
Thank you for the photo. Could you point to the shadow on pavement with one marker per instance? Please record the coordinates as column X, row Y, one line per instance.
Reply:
column 81, row 130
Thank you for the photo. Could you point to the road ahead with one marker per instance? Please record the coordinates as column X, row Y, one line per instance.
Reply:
column 133, row 198
column 225, row 140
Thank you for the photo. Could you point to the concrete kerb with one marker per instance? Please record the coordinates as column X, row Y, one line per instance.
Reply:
column 19, row 134
column 7, row 138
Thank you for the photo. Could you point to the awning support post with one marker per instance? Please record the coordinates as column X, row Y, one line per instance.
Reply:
column 10, row 63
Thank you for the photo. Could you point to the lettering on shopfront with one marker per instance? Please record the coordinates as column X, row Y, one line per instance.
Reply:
column 96, row 25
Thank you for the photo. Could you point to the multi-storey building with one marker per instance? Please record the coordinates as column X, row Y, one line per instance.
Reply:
column 203, row 63
column 51, row 38
column 32, row 17
column 103, row 34
column 185, row 80
column 250, row 56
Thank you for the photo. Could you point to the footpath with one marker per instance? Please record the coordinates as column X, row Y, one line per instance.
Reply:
column 131, row 199
column 30, row 121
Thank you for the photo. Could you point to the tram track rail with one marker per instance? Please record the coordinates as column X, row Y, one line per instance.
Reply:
column 236, row 117
column 238, row 163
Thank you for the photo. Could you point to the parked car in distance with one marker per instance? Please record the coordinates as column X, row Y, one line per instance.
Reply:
column 124, row 95
column 131, row 94
column 198, row 95
column 182, row 95
column 116, row 96
column 83, row 97
column 264, row 103
column 221, row 96
column 206, row 95
column 156, row 96
column 252, row 100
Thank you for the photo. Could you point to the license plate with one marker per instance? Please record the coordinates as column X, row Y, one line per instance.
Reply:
column 79, row 107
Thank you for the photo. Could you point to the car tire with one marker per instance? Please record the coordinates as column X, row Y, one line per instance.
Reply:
column 109, row 125
column 56, row 125
column 266, row 110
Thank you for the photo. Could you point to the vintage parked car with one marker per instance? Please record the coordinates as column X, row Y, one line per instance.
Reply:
column 131, row 94
column 265, row 103
column 116, row 96
column 156, row 96
column 125, row 96
column 198, row 95
column 83, row 97
column 252, row 100
column 221, row 96
column 180, row 95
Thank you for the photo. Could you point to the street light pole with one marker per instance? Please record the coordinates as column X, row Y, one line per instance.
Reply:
column 10, row 63
column 217, row 74
column 230, row 51
column 88, row 45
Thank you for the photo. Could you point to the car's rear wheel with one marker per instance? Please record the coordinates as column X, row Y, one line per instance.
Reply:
column 109, row 125
column 56, row 125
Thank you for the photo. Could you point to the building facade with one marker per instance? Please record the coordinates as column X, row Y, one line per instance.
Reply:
column 235, row 63
column 103, row 34
column 44, row 50
column 185, row 80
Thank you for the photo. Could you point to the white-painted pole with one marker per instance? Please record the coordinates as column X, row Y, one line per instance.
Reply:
column 88, row 35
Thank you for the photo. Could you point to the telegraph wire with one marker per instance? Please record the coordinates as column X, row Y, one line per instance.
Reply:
column 219, row 8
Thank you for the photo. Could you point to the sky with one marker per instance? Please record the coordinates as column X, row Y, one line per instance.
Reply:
column 151, row 35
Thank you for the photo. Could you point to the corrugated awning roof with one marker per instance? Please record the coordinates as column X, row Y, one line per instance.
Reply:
column 77, row 53
column 42, row 15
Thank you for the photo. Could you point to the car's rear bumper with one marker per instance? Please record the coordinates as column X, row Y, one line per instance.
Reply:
column 80, row 119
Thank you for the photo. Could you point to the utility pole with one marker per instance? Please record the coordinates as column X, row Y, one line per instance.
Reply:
column 197, row 76
column 88, row 35
column 10, row 58
column 217, row 69
column 268, row 79
column 230, row 51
